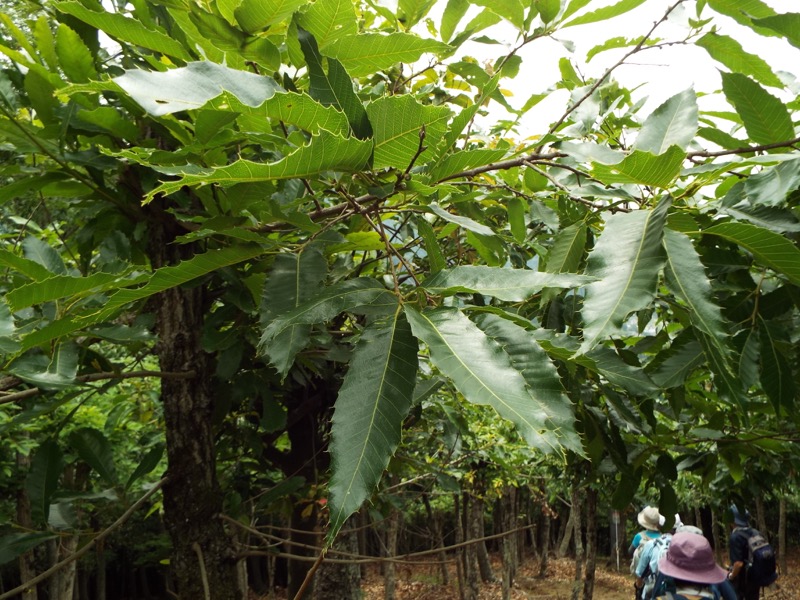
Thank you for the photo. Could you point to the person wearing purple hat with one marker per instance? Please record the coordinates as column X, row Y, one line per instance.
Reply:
column 690, row 562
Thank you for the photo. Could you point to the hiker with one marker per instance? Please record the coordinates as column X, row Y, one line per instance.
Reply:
column 752, row 558
column 651, row 520
column 691, row 565
column 647, row 568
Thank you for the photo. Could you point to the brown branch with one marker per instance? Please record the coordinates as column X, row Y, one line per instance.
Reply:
column 503, row 164
column 744, row 150
column 637, row 48
column 90, row 377
column 88, row 546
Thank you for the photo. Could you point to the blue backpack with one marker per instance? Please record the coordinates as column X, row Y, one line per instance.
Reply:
column 761, row 568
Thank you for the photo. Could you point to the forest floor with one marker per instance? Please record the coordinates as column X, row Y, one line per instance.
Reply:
column 423, row 582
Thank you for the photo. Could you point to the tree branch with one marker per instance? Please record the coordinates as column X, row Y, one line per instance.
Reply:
column 90, row 377
column 744, row 150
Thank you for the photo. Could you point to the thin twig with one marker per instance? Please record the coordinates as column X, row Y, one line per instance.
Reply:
column 88, row 546
column 745, row 149
column 310, row 575
column 611, row 69
column 203, row 574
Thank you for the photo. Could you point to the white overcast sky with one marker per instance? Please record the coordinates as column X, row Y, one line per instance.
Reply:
column 659, row 73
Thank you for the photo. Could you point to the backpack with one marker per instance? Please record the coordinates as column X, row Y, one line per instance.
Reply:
column 637, row 553
column 761, row 560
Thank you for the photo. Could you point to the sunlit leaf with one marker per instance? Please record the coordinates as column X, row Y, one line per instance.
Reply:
column 674, row 123
column 764, row 116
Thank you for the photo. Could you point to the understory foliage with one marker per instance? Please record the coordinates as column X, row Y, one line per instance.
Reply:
column 620, row 288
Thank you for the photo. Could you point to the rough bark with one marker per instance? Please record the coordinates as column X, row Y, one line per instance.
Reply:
column 761, row 517
column 340, row 581
column 591, row 543
column 459, row 534
column 62, row 583
column 577, row 534
column 202, row 562
column 27, row 571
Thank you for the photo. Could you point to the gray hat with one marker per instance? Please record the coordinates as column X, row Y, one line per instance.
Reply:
column 650, row 518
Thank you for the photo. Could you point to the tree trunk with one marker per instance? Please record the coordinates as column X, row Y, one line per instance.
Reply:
column 544, row 540
column 470, row 553
column 761, row 518
column 303, row 537
column 508, row 523
column 100, row 575
column 477, row 531
column 340, row 581
column 390, row 550
column 719, row 547
column 27, row 571
column 62, row 583
column 591, row 543
column 202, row 563
column 782, row 549
column 459, row 533
column 436, row 531
column 578, row 535
column 567, row 534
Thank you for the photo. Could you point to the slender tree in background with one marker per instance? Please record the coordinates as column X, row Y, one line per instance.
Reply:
column 284, row 216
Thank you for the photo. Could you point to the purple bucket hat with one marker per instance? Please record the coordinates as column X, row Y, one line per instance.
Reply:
column 690, row 558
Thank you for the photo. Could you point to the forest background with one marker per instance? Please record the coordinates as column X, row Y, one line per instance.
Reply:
column 280, row 278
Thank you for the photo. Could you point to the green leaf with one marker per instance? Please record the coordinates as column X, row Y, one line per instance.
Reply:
column 42, row 480
column 372, row 404
column 147, row 464
column 602, row 14
column 124, row 29
column 776, row 372
column 603, row 361
column 14, row 545
column 568, row 248
column 454, row 11
column 256, row 15
column 512, row 285
column 293, row 280
column 291, row 108
column 59, row 286
column 74, row 57
column 686, row 277
column 454, row 164
column 626, row 262
column 329, row 20
column 362, row 295
column 672, row 366
column 552, row 408
column 436, row 260
column 727, row 385
column 363, row 54
column 26, row 266
column 44, row 254
column 400, row 126
column 511, row 10
column 192, row 86
column 768, row 248
column 95, row 450
column 730, row 53
column 324, row 152
column 742, row 11
column 674, row 123
column 765, row 118
column 334, row 88
column 644, row 168
column 479, row 368
column 787, row 24
column 516, row 219
column 465, row 222
column 771, row 186
column 548, row 9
